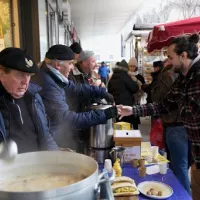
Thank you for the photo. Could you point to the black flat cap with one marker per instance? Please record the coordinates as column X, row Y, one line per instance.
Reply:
column 158, row 64
column 60, row 52
column 18, row 59
column 76, row 48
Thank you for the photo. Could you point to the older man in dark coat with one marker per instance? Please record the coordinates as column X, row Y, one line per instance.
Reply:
column 53, row 78
column 22, row 113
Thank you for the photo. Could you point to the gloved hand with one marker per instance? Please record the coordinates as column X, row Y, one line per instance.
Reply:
column 111, row 112
column 109, row 98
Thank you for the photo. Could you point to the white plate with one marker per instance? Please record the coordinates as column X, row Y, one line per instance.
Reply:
column 145, row 186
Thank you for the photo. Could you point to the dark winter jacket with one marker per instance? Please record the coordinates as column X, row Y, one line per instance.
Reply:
column 37, row 110
column 122, row 87
column 160, row 86
column 140, row 78
column 78, row 77
column 55, row 93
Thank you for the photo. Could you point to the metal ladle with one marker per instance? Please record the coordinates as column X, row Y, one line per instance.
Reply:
column 8, row 150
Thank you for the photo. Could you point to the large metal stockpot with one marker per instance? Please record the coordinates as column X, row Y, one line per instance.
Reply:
column 53, row 162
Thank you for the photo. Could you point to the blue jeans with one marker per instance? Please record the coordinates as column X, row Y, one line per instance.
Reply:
column 177, row 141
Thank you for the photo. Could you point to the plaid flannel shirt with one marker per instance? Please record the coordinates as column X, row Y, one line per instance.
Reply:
column 184, row 96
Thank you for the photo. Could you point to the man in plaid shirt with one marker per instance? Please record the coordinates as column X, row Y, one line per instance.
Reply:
column 184, row 96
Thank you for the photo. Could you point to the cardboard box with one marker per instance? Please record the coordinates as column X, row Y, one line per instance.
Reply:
column 127, row 198
column 122, row 126
column 131, row 140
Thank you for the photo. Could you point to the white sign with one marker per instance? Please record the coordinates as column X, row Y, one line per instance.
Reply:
column 131, row 153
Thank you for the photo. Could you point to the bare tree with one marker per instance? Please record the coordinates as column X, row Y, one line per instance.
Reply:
column 187, row 7
column 157, row 15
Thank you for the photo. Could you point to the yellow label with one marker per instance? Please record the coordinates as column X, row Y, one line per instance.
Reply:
column 122, row 126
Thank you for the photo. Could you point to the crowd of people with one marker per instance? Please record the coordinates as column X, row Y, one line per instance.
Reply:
column 46, row 107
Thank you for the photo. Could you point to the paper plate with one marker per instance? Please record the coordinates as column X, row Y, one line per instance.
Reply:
column 145, row 186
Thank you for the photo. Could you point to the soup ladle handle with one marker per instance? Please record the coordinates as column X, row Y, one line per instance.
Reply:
column 8, row 150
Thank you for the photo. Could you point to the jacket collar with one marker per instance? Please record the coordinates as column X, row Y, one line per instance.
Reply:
column 33, row 89
column 76, row 71
column 195, row 66
column 120, row 69
column 46, row 70
column 155, row 74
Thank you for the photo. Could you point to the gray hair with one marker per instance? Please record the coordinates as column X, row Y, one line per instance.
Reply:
column 51, row 62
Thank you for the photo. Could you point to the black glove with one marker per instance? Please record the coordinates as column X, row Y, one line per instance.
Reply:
column 109, row 98
column 111, row 112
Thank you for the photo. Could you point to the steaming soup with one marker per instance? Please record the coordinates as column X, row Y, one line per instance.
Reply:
column 39, row 182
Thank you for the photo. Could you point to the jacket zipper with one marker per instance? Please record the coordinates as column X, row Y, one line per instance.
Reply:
column 4, row 136
column 20, row 112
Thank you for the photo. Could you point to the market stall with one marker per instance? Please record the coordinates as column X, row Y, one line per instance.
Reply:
column 141, row 171
column 162, row 34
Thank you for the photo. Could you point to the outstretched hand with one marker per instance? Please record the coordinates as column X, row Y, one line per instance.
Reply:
column 124, row 111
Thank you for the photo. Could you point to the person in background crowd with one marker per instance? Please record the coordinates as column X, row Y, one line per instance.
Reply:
column 151, row 88
column 161, row 81
column 122, row 87
column 53, row 78
column 184, row 96
column 103, row 72
column 76, row 48
column 82, row 72
column 108, row 77
column 133, row 72
column 175, row 135
column 133, row 67
column 22, row 113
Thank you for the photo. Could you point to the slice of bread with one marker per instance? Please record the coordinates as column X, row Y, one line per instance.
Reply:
column 123, row 179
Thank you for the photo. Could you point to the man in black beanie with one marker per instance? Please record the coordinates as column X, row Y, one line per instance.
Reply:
column 53, row 78
column 76, row 48
column 22, row 113
column 157, row 65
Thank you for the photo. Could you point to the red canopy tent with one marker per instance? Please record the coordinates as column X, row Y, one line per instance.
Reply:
column 162, row 34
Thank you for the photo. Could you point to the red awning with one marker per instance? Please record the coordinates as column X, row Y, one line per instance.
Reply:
column 163, row 33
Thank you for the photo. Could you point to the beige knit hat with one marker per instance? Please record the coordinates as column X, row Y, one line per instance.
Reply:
column 133, row 61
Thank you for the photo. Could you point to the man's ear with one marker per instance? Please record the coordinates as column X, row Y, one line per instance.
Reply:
column 184, row 55
column 56, row 65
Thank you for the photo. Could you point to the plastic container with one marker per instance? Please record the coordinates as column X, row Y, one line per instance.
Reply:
column 163, row 168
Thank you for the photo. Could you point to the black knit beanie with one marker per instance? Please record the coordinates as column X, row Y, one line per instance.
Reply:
column 123, row 64
column 76, row 48
column 60, row 52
